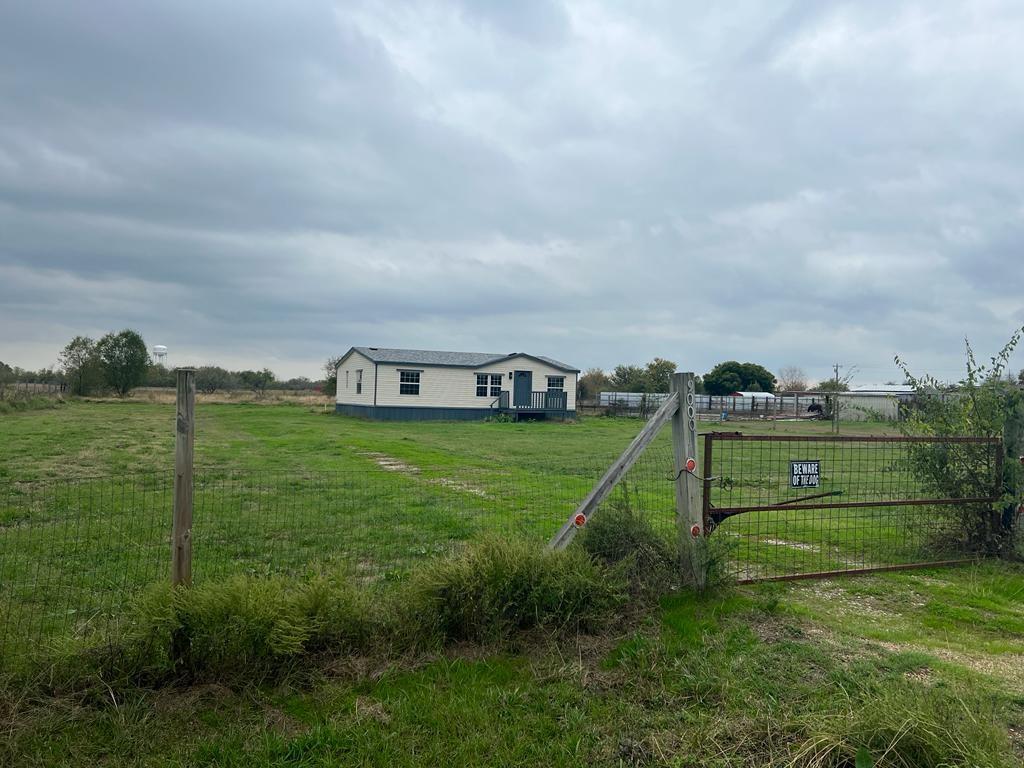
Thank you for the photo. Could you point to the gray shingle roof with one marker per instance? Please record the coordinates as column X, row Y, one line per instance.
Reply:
column 454, row 359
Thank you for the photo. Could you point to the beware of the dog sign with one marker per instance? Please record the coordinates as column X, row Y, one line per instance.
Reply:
column 804, row 474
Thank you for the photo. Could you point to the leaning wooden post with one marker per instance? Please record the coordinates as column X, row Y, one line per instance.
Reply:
column 185, row 434
column 689, row 512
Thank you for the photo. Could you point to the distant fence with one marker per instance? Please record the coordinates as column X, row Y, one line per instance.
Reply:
column 643, row 404
column 28, row 389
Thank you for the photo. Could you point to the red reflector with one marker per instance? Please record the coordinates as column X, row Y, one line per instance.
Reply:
column 690, row 465
column 695, row 531
column 580, row 520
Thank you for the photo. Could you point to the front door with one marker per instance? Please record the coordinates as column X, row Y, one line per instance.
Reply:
column 522, row 386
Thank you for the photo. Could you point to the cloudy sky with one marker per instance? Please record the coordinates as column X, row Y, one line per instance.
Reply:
column 269, row 183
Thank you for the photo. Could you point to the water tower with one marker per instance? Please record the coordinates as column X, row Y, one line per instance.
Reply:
column 160, row 352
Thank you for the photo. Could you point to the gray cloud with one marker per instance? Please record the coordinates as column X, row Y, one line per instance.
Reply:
column 797, row 183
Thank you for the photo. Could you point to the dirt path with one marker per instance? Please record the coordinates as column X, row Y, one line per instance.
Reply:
column 391, row 464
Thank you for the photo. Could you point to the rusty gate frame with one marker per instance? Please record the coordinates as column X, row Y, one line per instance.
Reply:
column 713, row 516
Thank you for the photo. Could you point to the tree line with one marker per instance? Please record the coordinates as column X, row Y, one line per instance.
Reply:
column 119, row 362
column 724, row 379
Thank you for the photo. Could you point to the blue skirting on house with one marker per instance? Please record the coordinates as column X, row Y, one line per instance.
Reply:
column 413, row 413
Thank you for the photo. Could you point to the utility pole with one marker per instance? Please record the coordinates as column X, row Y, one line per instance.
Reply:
column 835, row 400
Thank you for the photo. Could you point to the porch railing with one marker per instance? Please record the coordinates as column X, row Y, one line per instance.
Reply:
column 538, row 401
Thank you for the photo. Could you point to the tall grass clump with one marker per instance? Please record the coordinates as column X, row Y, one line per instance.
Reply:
column 902, row 725
column 243, row 628
column 494, row 588
column 623, row 539
column 17, row 404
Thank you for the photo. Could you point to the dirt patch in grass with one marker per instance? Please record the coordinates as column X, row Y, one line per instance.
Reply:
column 391, row 464
column 366, row 708
column 1007, row 668
column 847, row 603
column 282, row 723
column 172, row 700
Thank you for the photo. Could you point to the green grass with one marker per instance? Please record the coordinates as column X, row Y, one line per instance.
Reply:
column 84, row 439
column 85, row 497
column 920, row 667
column 756, row 676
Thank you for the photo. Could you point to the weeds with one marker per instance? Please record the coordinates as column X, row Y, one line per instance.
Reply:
column 619, row 537
column 495, row 588
column 241, row 629
column 29, row 403
column 248, row 628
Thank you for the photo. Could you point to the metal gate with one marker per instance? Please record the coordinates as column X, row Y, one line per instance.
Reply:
column 805, row 506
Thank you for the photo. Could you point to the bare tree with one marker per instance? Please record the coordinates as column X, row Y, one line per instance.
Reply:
column 792, row 379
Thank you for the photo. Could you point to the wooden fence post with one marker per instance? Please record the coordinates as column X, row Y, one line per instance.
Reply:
column 689, row 511
column 185, row 434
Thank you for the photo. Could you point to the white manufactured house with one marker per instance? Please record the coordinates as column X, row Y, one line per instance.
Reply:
column 417, row 384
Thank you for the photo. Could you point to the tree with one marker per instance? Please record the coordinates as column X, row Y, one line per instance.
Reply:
column 6, row 376
column 792, row 379
column 592, row 383
column 331, row 375
column 298, row 383
column 257, row 381
column 124, row 359
column 629, row 378
column 158, row 375
column 658, row 375
column 732, row 376
column 831, row 385
column 81, row 364
column 211, row 378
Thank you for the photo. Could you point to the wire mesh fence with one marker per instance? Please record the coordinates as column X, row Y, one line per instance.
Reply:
column 787, row 505
column 74, row 554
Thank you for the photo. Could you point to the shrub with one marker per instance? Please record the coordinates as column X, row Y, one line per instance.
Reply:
column 983, row 404
column 494, row 588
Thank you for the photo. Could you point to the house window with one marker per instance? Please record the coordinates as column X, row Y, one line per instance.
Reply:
column 482, row 381
column 556, row 383
column 346, row 379
column 359, row 381
column 408, row 382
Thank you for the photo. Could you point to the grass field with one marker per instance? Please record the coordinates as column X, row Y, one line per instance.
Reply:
column 927, row 664
column 85, row 499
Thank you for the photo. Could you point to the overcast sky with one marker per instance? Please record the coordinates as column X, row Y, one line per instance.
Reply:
column 266, row 184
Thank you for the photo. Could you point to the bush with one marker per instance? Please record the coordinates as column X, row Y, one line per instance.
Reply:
column 983, row 404
column 494, row 588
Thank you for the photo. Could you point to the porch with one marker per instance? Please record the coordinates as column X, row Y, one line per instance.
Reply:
column 549, row 402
